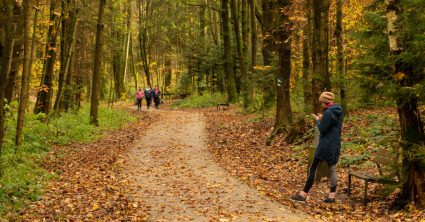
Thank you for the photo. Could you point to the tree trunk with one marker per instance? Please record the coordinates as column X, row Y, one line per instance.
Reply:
column 23, row 102
column 168, row 74
column 133, row 66
column 97, row 65
column 253, row 34
column 240, row 48
column 246, row 80
column 118, row 67
column 228, row 62
column 202, row 33
column 143, row 35
column 17, row 53
column 411, row 126
column 267, row 23
column 67, row 100
column 213, row 25
column 6, row 60
column 15, row 66
column 34, row 37
column 340, row 54
column 283, row 107
column 320, row 78
column 307, row 60
column 127, row 47
column 69, row 29
column 44, row 96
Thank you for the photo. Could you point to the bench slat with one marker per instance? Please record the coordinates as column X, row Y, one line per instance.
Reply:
column 362, row 175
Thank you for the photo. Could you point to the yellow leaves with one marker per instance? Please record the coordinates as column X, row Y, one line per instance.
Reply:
column 399, row 76
column 262, row 68
column 95, row 207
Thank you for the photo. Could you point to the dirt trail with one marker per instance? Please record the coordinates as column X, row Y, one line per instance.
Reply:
column 179, row 181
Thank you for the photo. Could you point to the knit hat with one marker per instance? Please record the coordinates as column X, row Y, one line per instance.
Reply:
column 326, row 97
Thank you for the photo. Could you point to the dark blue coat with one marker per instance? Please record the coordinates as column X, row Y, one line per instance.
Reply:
column 330, row 127
column 148, row 93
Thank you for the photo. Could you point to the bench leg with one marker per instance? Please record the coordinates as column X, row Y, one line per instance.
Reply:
column 366, row 182
column 349, row 185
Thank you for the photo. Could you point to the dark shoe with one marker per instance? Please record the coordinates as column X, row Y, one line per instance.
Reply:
column 329, row 200
column 298, row 197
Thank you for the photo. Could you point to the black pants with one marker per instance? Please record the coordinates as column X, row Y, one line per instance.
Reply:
column 139, row 103
column 148, row 102
column 312, row 174
column 157, row 101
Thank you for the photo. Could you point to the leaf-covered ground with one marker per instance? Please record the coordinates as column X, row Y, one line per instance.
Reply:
column 279, row 171
column 91, row 183
column 179, row 180
column 158, row 169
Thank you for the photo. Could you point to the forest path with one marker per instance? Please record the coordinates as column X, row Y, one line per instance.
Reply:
column 179, row 181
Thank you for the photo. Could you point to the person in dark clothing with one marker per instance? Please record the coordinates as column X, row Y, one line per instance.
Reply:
column 329, row 147
column 148, row 96
column 156, row 97
column 139, row 96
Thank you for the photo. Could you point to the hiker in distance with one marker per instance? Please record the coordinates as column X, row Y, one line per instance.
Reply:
column 156, row 97
column 328, row 149
column 148, row 96
column 139, row 97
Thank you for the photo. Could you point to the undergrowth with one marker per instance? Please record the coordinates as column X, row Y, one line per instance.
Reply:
column 206, row 100
column 23, row 175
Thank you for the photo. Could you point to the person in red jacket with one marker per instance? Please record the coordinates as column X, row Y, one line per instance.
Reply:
column 139, row 96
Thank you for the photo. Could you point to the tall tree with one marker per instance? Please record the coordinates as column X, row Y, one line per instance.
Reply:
column 228, row 62
column 320, row 77
column 17, row 54
column 44, row 96
column 23, row 102
column 143, row 37
column 306, row 42
column 283, row 33
column 267, row 21
column 69, row 28
column 340, row 54
column 97, row 65
column 241, row 38
column 202, row 36
column 254, row 36
column 411, row 126
column 5, row 62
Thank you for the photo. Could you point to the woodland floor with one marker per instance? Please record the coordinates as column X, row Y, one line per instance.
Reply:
column 157, row 169
column 195, row 165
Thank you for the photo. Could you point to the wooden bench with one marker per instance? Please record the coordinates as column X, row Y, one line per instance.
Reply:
column 387, row 164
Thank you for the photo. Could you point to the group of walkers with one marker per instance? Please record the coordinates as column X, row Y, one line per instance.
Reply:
column 148, row 94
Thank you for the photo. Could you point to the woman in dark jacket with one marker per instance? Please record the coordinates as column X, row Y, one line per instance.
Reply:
column 148, row 96
column 329, row 147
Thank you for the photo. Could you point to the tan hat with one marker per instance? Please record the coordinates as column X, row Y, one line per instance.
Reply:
column 327, row 97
